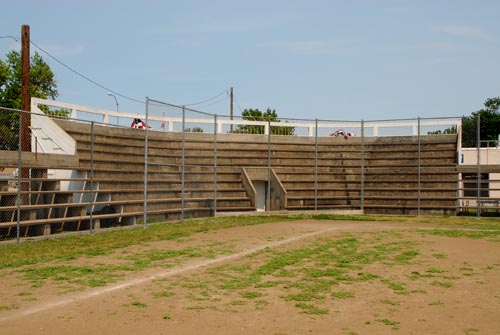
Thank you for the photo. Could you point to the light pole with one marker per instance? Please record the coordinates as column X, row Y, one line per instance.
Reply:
column 117, row 108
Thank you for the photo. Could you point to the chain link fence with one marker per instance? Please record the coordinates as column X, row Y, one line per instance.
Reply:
column 180, row 163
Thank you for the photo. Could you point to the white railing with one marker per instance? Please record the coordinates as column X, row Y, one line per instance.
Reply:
column 306, row 128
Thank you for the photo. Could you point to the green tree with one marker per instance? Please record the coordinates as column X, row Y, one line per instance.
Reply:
column 489, row 124
column 257, row 115
column 42, row 82
column 42, row 85
column 450, row 130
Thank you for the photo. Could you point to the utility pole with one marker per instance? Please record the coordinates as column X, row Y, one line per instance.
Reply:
column 25, row 88
column 231, row 107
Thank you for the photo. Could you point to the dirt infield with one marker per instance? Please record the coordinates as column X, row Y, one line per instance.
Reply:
column 297, row 277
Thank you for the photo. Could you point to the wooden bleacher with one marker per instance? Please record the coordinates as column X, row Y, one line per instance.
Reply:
column 390, row 177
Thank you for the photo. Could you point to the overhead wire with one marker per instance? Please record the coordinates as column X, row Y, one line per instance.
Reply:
column 108, row 89
column 214, row 103
column 237, row 104
column 10, row 36
column 86, row 77
column 206, row 100
column 78, row 73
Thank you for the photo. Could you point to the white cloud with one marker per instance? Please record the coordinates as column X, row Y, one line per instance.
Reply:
column 467, row 32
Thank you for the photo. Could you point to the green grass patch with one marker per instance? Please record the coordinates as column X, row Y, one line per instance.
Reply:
column 238, row 302
column 342, row 294
column 7, row 308
column 251, row 294
column 163, row 294
column 311, row 309
column 74, row 247
column 406, row 256
column 396, row 287
column 436, row 303
column 307, row 275
column 138, row 304
column 446, row 284
column 387, row 322
column 472, row 234
column 439, row 256
column 303, row 296
column 92, row 276
column 447, row 221
column 260, row 304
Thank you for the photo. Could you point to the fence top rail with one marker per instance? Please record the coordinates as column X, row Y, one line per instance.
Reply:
column 168, row 122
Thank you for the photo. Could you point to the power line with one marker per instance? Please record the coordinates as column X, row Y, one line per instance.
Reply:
column 214, row 103
column 85, row 77
column 17, row 39
column 237, row 104
column 215, row 96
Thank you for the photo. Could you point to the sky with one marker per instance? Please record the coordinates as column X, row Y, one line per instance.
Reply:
column 331, row 59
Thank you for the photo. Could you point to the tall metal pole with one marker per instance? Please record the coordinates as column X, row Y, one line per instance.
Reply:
column 316, row 166
column 268, row 202
column 215, row 165
column 362, row 192
column 91, row 203
column 183, row 167
column 419, row 168
column 19, row 169
column 478, row 194
column 145, row 218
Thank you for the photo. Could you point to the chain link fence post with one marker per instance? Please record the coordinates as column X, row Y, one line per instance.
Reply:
column 146, row 145
column 419, row 168
column 183, row 166
column 268, row 202
column 316, row 165
column 215, row 165
column 19, row 181
column 478, row 192
column 91, row 201
column 362, row 188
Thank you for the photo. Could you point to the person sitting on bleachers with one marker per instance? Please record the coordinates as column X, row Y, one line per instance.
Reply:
column 139, row 124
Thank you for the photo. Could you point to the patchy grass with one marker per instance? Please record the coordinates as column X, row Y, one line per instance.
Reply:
column 138, row 304
column 456, row 233
column 342, row 294
column 93, row 276
column 439, row 256
column 308, row 275
column 311, row 309
column 436, row 303
column 396, row 287
column 7, row 307
column 74, row 247
column 445, row 284
column 387, row 322
column 251, row 295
